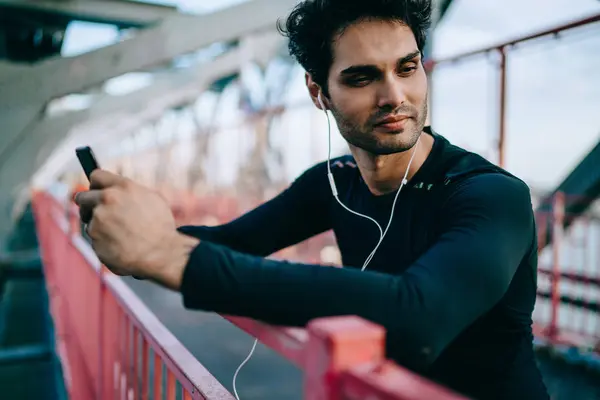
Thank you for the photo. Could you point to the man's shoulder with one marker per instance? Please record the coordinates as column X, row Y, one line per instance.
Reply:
column 458, row 165
column 494, row 184
column 337, row 164
column 463, row 171
column 490, row 193
column 315, row 176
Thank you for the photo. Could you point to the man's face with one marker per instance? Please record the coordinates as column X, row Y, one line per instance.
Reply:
column 378, row 87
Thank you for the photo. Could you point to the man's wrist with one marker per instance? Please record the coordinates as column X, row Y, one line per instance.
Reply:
column 176, row 252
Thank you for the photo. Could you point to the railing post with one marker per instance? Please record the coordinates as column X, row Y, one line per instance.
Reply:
column 542, row 223
column 502, row 108
column 558, row 210
column 335, row 345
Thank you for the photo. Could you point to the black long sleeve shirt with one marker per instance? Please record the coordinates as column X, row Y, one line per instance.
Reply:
column 453, row 283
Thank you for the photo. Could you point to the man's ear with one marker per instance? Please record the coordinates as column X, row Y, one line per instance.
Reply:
column 313, row 90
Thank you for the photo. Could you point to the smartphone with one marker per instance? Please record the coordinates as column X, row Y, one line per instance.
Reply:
column 87, row 160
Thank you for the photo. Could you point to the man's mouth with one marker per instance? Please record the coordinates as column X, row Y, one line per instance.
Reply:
column 392, row 124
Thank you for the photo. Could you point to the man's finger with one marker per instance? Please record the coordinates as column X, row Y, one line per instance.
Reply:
column 89, row 200
column 101, row 179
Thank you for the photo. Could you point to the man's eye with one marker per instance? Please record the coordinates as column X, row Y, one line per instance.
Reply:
column 359, row 81
column 407, row 70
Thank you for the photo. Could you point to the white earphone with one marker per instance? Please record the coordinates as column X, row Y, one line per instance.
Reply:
column 334, row 191
column 320, row 100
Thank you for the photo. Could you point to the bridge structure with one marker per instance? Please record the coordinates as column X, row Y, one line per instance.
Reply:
column 207, row 127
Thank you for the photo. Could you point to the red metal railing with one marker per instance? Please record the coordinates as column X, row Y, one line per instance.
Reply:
column 111, row 346
column 107, row 337
column 569, row 278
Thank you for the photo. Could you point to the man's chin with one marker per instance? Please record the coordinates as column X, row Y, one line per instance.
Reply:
column 379, row 143
column 387, row 148
column 387, row 132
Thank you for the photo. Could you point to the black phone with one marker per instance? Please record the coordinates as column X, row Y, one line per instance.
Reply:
column 87, row 159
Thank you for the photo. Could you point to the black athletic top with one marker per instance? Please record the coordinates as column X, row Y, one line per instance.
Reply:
column 454, row 281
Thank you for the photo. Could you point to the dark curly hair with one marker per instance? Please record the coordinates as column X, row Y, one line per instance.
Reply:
column 313, row 24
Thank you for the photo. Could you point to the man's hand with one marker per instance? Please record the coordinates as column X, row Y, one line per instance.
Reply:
column 132, row 229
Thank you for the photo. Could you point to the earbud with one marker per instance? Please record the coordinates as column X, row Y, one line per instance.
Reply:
column 320, row 100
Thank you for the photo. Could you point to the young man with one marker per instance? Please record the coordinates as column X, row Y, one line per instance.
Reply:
column 454, row 279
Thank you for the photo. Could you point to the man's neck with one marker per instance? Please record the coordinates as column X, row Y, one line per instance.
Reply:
column 384, row 173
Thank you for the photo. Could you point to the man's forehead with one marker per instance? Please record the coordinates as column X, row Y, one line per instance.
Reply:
column 372, row 42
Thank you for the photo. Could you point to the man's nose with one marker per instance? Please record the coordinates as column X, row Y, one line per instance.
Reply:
column 391, row 94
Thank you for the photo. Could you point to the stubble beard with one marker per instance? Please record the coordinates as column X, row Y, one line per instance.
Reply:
column 379, row 143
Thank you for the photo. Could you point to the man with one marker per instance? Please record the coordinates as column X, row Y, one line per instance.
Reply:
column 454, row 279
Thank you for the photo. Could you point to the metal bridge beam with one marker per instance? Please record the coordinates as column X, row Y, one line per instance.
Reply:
column 127, row 112
column 115, row 12
column 175, row 36
column 25, row 95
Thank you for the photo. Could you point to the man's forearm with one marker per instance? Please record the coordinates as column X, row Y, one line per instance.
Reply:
column 289, row 294
column 279, row 292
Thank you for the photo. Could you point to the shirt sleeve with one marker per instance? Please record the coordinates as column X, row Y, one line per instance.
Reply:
column 299, row 212
column 487, row 230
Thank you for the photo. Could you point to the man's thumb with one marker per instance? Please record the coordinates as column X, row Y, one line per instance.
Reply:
column 101, row 179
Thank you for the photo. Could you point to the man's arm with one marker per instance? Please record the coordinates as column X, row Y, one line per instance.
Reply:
column 487, row 230
column 299, row 212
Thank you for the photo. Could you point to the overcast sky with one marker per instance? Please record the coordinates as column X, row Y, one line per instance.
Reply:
column 553, row 85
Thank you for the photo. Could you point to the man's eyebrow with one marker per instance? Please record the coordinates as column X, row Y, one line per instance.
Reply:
column 359, row 69
column 409, row 57
column 367, row 68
